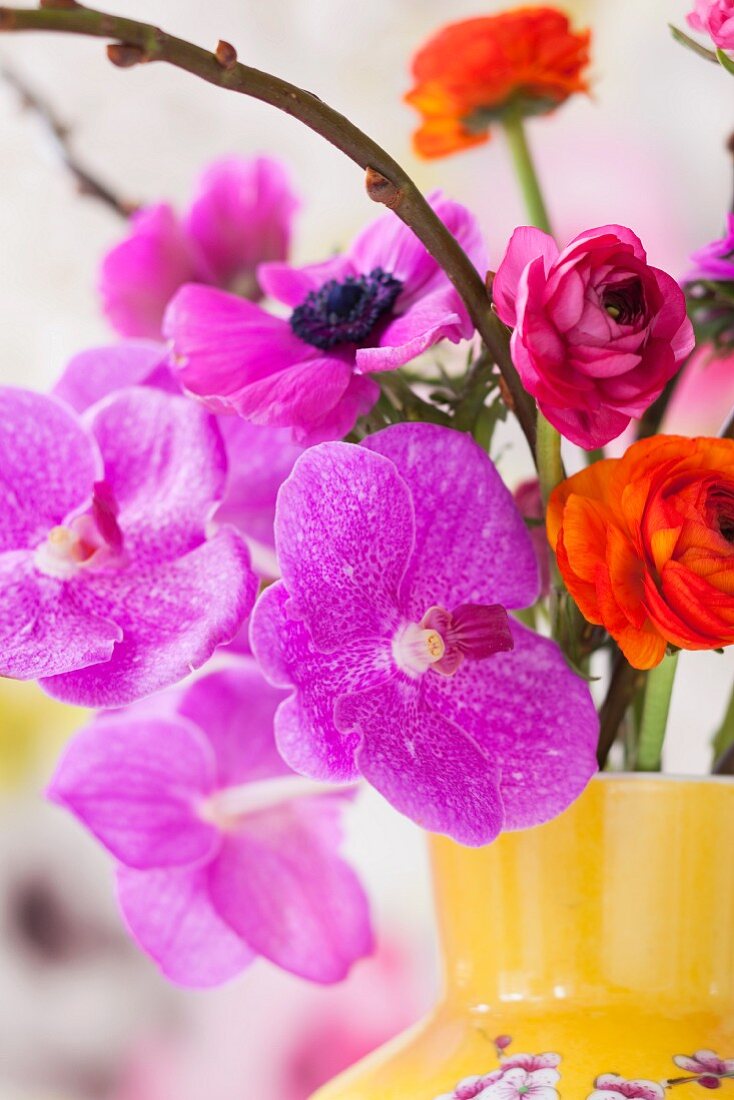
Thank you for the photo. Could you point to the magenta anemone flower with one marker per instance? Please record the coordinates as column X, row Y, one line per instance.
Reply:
column 399, row 558
column 241, row 216
column 374, row 308
column 258, row 459
column 222, row 853
column 109, row 586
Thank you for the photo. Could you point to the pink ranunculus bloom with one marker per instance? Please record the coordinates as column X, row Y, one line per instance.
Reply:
column 258, row 458
column 110, row 587
column 597, row 331
column 703, row 396
column 610, row 1086
column 715, row 18
column 374, row 308
column 708, row 1066
column 399, row 557
column 222, row 853
column 241, row 216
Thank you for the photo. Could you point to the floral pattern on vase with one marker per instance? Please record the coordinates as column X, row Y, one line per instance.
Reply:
column 535, row 1076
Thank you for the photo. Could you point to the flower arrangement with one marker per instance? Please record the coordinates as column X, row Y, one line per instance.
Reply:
column 268, row 483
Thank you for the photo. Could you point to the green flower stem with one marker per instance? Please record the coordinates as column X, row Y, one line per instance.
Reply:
column 548, row 440
column 655, row 714
column 725, row 61
column 525, row 170
column 724, row 737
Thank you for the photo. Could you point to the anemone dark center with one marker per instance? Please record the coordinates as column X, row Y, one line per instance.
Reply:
column 625, row 301
column 345, row 311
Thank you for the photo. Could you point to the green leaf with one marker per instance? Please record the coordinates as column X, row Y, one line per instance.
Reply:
column 691, row 44
column 725, row 61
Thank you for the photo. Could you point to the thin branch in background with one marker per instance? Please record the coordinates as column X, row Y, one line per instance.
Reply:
column 387, row 182
column 60, row 137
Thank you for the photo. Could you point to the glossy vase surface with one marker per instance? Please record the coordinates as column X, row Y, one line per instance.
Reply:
column 589, row 957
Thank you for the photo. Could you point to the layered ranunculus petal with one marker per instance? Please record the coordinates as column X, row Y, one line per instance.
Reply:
column 171, row 916
column 172, row 614
column 49, row 464
column 137, row 788
column 598, row 332
column 644, row 547
column 459, row 500
column 280, row 883
column 715, row 18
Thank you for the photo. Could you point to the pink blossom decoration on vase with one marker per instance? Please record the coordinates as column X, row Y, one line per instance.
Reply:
column 715, row 18
column 703, row 395
column 597, row 331
column 610, row 1086
column 111, row 588
column 399, row 558
column 241, row 216
column 223, row 854
column 372, row 309
column 707, row 1065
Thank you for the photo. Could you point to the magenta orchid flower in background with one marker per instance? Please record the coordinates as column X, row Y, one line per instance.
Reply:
column 715, row 18
column 399, row 558
column 109, row 586
column 703, row 396
column 715, row 261
column 373, row 309
column 222, row 853
column 258, row 459
column 597, row 331
column 241, row 216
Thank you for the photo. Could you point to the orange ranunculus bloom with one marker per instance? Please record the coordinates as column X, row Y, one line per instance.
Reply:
column 470, row 73
column 645, row 544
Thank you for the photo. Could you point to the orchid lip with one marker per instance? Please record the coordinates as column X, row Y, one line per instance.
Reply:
column 444, row 639
column 90, row 539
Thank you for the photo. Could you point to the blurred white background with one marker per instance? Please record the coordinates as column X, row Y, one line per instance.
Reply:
column 646, row 149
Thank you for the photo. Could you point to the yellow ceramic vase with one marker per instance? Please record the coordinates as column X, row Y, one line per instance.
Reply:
column 592, row 957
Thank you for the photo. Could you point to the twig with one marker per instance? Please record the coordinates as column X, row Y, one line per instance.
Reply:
column 625, row 683
column 59, row 133
column 138, row 43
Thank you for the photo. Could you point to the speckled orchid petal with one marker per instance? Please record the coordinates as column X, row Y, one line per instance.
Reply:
column 343, row 555
column 460, row 502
